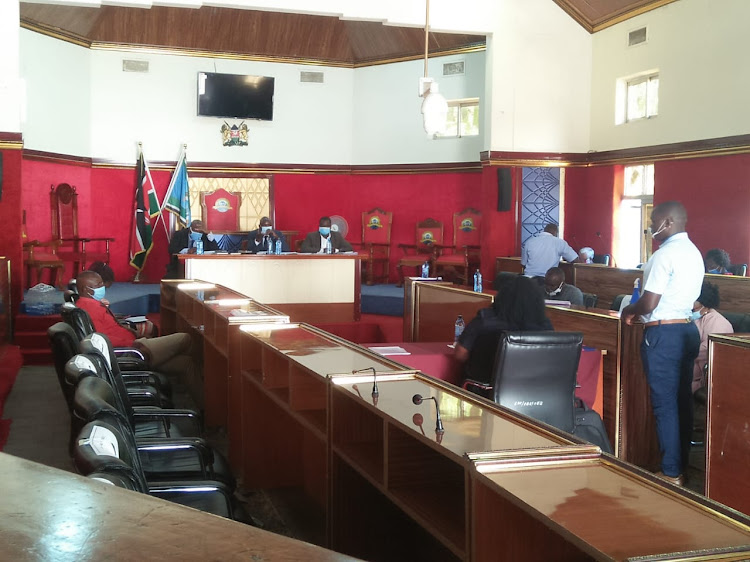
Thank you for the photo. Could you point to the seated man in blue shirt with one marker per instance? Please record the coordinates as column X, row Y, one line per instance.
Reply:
column 544, row 251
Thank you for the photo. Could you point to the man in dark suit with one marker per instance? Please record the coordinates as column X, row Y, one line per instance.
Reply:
column 315, row 242
column 183, row 242
column 258, row 239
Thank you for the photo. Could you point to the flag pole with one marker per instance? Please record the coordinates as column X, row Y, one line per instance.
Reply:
column 183, row 155
column 137, row 276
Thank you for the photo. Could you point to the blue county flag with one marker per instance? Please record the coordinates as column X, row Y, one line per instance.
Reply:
column 146, row 207
column 177, row 200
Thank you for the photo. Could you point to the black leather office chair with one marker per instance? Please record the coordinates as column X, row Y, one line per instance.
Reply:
column 590, row 300
column 535, row 375
column 103, row 449
column 617, row 302
column 603, row 259
column 739, row 269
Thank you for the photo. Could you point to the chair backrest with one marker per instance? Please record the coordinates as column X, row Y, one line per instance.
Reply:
column 467, row 228
column 63, row 201
column 617, row 301
column 590, row 300
column 78, row 319
column 428, row 233
column 601, row 258
column 739, row 269
column 92, row 347
column 535, row 375
column 220, row 210
column 64, row 344
column 376, row 226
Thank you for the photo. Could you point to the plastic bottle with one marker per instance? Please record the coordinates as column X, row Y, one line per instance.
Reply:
column 425, row 270
column 636, row 291
column 199, row 247
column 459, row 328
column 478, row 282
column 278, row 247
column 329, row 247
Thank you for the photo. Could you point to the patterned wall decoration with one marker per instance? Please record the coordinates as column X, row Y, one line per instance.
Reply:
column 255, row 197
column 540, row 200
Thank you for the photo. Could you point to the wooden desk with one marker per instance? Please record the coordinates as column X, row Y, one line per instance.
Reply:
column 508, row 265
column 593, row 507
column 212, row 314
column 49, row 514
column 307, row 287
column 727, row 440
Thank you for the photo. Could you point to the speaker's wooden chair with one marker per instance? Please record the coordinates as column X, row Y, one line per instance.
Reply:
column 429, row 238
column 39, row 256
column 72, row 247
column 376, row 244
column 220, row 211
column 463, row 256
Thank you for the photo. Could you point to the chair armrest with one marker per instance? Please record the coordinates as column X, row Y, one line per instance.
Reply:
column 143, row 395
column 157, row 446
column 407, row 247
column 130, row 354
column 85, row 239
column 484, row 390
column 167, row 490
column 169, row 416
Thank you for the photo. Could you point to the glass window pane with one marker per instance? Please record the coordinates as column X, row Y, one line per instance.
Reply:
column 653, row 96
column 469, row 120
column 637, row 100
column 451, row 123
column 629, row 249
column 634, row 181
column 648, row 188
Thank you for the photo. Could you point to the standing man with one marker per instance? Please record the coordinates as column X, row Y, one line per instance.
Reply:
column 544, row 251
column 315, row 242
column 183, row 242
column 672, row 281
column 258, row 239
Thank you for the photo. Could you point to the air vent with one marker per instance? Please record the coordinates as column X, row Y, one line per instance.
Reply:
column 134, row 65
column 453, row 68
column 637, row 36
column 308, row 76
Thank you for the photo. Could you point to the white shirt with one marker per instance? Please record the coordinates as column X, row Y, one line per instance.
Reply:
column 544, row 251
column 324, row 244
column 675, row 271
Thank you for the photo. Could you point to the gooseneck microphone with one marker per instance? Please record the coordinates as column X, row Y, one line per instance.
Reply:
column 417, row 399
column 375, row 390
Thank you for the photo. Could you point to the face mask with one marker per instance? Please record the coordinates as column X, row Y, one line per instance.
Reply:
column 662, row 227
column 695, row 315
column 265, row 229
column 556, row 291
column 324, row 230
column 195, row 236
column 99, row 293
column 714, row 270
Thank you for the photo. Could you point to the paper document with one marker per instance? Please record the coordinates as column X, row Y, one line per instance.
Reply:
column 557, row 303
column 135, row 319
column 390, row 350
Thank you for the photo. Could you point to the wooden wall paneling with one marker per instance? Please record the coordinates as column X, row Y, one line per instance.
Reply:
column 508, row 265
column 606, row 282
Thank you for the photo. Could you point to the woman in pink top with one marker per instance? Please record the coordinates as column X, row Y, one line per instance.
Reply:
column 708, row 321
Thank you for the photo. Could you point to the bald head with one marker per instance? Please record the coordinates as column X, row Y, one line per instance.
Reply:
column 86, row 282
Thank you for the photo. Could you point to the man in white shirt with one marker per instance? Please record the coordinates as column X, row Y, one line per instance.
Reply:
column 672, row 281
column 544, row 251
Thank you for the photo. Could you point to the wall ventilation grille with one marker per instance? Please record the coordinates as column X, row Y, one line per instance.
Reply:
column 308, row 76
column 134, row 65
column 453, row 68
column 637, row 36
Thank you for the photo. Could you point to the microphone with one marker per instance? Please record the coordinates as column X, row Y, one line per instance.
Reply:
column 375, row 390
column 417, row 400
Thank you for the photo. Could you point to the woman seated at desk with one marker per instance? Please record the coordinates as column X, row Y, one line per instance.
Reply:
column 518, row 306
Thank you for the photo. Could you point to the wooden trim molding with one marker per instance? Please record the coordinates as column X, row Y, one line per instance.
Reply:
column 11, row 141
column 592, row 26
column 41, row 156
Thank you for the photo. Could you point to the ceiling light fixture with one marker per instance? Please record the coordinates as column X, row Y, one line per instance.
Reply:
column 434, row 105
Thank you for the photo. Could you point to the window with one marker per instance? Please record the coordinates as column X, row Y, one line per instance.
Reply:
column 637, row 98
column 635, row 213
column 462, row 119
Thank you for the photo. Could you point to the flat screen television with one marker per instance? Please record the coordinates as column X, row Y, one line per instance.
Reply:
column 235, row 95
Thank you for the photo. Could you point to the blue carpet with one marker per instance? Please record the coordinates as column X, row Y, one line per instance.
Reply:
column 387, row 300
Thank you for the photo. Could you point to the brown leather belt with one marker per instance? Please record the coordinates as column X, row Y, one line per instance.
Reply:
column 662, row 322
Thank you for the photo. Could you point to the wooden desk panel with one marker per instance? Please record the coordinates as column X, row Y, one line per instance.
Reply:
column 593, row 507
column 727, row 439
column 605, row 282
column 733, row 290
column 508, row 265
column 49, row 514
column 436, row 308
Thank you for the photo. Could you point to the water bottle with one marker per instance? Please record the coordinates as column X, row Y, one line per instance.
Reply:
column 199, row 247
column 459, row 328
column 636, row 291
column 278, row 246
column 425, row 270
column 478, row 282
column 329, row 247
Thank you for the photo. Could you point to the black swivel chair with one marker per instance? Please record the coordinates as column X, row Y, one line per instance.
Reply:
column 535, row 375
column 739, row 269
column 603, row 259
column 590, row 300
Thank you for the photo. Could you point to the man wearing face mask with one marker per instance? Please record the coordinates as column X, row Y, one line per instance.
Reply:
column 183, row 242
column 557, row 289
column 259, row 239
column 672, row 280
column 315, row 242
column 167, row 354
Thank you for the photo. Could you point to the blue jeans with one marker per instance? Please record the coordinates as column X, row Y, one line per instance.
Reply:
column 668, row 353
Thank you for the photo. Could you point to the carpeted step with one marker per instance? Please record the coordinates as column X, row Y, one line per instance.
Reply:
column 37, row 356
column 383, row 300
column 31, row 339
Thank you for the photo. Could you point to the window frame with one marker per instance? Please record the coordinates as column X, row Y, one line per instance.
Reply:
column 459, row 104
column 623, row 96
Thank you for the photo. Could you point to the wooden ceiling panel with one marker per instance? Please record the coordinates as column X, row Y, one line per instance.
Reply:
column 599, row 14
